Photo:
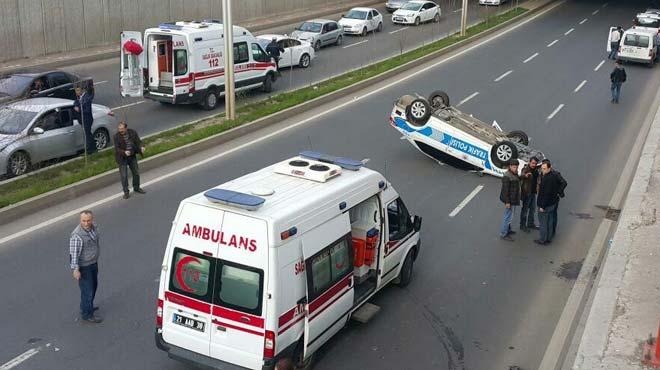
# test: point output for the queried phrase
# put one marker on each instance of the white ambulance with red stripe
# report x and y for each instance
(274, 263)
(183, 63)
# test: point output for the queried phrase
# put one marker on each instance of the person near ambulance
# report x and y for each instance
(275, 50)
(615, 41)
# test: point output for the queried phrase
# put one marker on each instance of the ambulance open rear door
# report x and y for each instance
(131, 78)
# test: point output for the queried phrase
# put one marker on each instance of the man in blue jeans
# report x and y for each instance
(84, 253)
(617, 77)
(528, 181)
(510, 196)
(547, 199)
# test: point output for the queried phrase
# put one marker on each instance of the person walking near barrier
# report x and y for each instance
(547, 199)
(615, 41)
(127, 146)
(83, 108)
(618, 77)
(84, 248)
(528, 181)
(510, 196)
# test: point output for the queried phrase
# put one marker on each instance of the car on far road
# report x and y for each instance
(393, 5)
(296, 52)
(360, 21)
(41, 129)
(649, 20)
(53, 84)
(492, 2)
(416, 12)
(319, 32)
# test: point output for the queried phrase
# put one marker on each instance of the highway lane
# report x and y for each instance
(476, 302)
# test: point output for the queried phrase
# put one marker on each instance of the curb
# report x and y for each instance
(73, 191)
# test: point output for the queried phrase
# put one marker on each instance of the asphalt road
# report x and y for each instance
(475, 302)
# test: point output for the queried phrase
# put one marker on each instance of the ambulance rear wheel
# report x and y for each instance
(210, 101)
(405, 275)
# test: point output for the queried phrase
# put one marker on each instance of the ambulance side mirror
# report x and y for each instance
(417, 223)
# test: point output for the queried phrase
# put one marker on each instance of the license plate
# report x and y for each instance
(188, 322)
(398, 19)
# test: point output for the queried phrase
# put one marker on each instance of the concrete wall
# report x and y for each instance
(39, 27)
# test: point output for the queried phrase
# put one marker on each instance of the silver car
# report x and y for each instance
(319, 32)
(393, 5)
(41, 129)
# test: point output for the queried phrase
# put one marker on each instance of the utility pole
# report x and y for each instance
(464, 17)
(228, 27)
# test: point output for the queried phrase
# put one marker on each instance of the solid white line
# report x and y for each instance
(599, 65)
(584, 20)
(19, 359)
(357, 43)
(465, 201)
(569, 31)
(530, 58)
(128, 105)
(503, 75)
(559, 107)
(313, 118)
(468, 98)
(552, 43)
(100, 82)
(400, 29)
(580, 86)
(595, 12)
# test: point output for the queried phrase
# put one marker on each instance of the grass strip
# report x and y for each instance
(76, 170)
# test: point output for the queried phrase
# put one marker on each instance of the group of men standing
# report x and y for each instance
(535, 188)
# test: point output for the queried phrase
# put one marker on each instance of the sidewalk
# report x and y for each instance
(626, 305)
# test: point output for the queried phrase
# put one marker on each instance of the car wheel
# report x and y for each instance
(519, 137)
(439, 99)
(503, 152)
(268, 84)
(380, 27)
(18, 164)
(210, 101)
(418, 111)
(340, 40)
(364, 32)
(436, 18)
(101, 138)
(304, 60)
(405, 275)
(317, 45)
(417, 21)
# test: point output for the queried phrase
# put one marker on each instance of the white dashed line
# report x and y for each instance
(357, 43)
(569, 31)
(580, 86)
(503, 75)
(400, 29)
(468, 98)
(583, 21)
(604, 5)
(465, 201)
(19, 359)
(554, 112)
(127, 105)
(552, 43)
(595, 12)
(100, 83)
(530, 58)
(599, 65)
(458, 10)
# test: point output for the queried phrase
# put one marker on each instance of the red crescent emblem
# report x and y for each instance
(179, 272)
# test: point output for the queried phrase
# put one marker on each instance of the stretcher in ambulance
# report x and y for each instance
(274, 263)
(183, 63)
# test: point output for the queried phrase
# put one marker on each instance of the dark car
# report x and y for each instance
(53, 84)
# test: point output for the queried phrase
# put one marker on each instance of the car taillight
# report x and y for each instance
(159, 314)
(191, 83)
(269, 344)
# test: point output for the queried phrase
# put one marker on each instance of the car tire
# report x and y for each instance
(380, 27)
(317, 45)
(210, 100)
(436, 18)
(340, 40)
(101, 138)
(267, 86)
(364, 32)
(417, 21)
(503, 152)
(439, 99)
(18, 164)
(305, 61)
(418, 111)
(519, 137)
(406, 272)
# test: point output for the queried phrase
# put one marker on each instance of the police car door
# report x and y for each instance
(328, 257)
(609, 39)
(131, 79)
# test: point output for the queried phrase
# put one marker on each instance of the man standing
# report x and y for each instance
(618, 77)
(548, 197)
(83, 106)
(274, 50)
(510, 196)
(84, 251)
(615, 40)
(127, 146)
(657, 45)
(528, 181)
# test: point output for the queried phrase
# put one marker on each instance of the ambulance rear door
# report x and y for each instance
(609, 39)
(181, 76)
(131, 78)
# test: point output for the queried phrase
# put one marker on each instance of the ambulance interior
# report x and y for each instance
(160, 62)
(366, 232)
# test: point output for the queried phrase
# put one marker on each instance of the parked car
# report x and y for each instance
(41, 129)
(296, 52)
(393, 5)
(360, 21)
(53, 84)
(319, 32)
(416, 12)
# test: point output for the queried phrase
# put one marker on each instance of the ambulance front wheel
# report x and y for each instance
(405, 275)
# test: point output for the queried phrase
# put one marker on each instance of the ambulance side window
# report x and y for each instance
(191, 274)
(241, 52)
(398, 220)
(328, 267)
(180, 62)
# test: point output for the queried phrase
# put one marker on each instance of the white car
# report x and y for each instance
(416, 12)
(492, 2)
(296, 52)
(360, 21)
(448, 135)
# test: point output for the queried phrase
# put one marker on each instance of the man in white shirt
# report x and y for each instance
(615, 39)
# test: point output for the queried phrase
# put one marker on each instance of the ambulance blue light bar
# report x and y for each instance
(345, 163)
(234, 199)
(170, 26)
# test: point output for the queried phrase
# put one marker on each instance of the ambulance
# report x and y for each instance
(183, 63)
(273, 264)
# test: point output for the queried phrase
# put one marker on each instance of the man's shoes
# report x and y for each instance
(616, 102)
(139, 191)
(533, 227)
(511, 232)
(93, 320)
(507, 238)
(540, 242)
(127, 195)
(525, 229)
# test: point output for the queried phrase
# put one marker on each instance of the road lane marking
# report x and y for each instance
(314, 118)
(357, 43)
(128, 105)
(530, 58)
(100, 83)
(503, 75)
(465, 201)
(400, 29)
(584, 20)
(458, 10)
(552, 43)
(595, 12)
(467, 99)
(580, 86)
(554, 112)
(604, 5)
(599, 65)
(569, 31)
(20, 359)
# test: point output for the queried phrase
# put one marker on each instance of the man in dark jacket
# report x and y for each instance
(510, 196)
(528, 181)
(547, 199)
(127, 146)
(83, 108)
(618, 77)
(274, 50)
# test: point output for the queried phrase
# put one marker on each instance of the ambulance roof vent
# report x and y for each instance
(308, 169)
(234, 199)
(345, 163)
(262, 192)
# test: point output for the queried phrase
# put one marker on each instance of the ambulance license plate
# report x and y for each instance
(188, 322)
